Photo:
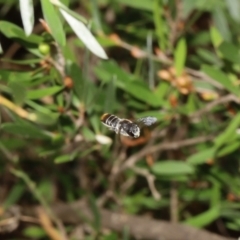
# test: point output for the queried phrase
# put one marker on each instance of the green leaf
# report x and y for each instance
(142, 93)
(12, 31)
(200, 38)
(229, 132)
(180, 56)
(233, 225)
(202, 156)
(14, 76)
(230, 148)
(64, 158)
(110, 236)
(18, 92)
(27, 15)
(209, 57)
(39, 93)
(159, 24)
(47, 118)
(205, 218)
(31, 62)
(161, 92)
(110, 99)
(25, 130)
(46, 189)
(76, 74)
(230, 52)
(220, 77)
(172, 167)
(34, 232)
(215, 36)
(53, 21)
(215, 198)
(14, 195)
(88, 134)
(220, 21)
(129, 83)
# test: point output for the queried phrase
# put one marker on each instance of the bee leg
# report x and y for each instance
(119, 134)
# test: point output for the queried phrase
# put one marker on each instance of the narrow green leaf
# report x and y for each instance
(25, 130)
(161, 92)
(76, 74)
(95, 123)
(228, 133)
(220, 77)
(142, 93)
(15, 76)
(159, 24)
(205, 218)
(31, 62)
(221, 22)
(172, 167)
(96, 15)
(230, 148)
(54, 22)
(27, 15)
(88, 134)
(39, 93)
(14, 195)
(129, 83)
(233, 225)
(110, 100)
(34, 232)
(18, 92)
(63, 158)
(47, 118)
(215, 36)
(209, 57)
(202, 156)
(180, 56)
(215, 198)
(230, 52)
(12, 31)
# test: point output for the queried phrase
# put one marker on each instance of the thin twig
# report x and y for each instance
(150, 179)
(163, 146)
(208, 107)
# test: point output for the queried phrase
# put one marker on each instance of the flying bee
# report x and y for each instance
(126, 127)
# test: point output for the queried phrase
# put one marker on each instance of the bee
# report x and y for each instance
(126, 127)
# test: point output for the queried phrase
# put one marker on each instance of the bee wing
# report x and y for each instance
(146, 121)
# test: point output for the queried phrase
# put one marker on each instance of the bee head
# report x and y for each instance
(134, 130)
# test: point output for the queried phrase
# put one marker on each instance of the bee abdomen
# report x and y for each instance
(110, 120)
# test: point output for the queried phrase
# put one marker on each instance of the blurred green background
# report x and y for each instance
(176, 60)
